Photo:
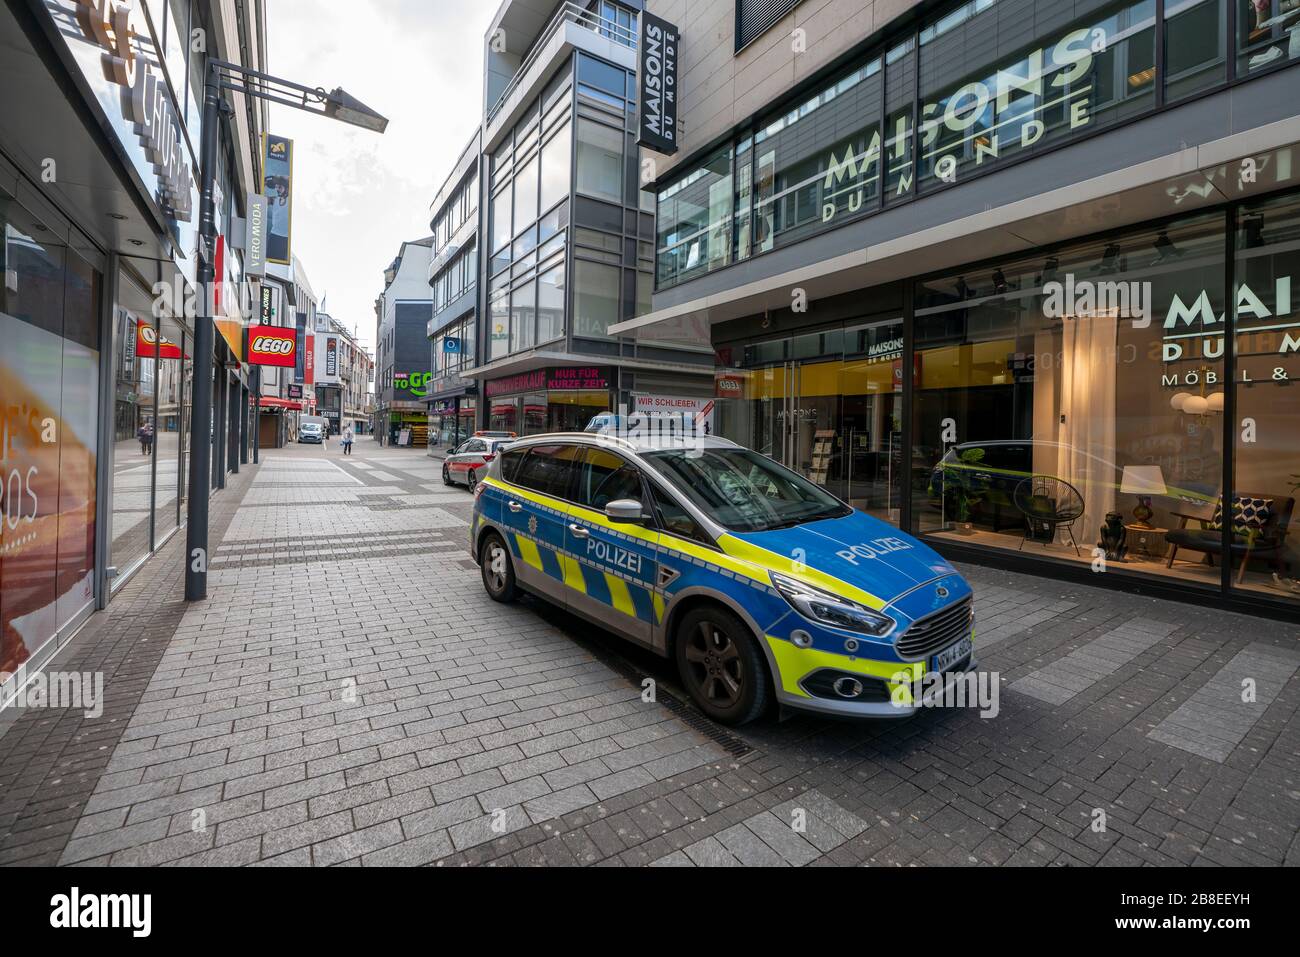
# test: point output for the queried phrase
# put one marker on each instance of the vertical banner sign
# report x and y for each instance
(657, 112)
(255, 240)
(278, 165)
(309, 364)
(268, 307)
(300, 368)
(331, 357)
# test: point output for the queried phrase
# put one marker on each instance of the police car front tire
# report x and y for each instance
(721, 666)
(498, 570)
(446, 475)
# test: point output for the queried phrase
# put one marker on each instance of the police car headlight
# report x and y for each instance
(831, 610)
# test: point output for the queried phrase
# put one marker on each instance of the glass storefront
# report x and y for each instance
(1044, 417)
(1085, 406)
(549, 400)
(974, 86)
(827, 405)
(1266, 457)
(50, 304)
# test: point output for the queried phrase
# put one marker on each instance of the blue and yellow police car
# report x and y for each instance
(760, 585)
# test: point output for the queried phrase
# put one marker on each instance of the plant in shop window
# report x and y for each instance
(962, 489)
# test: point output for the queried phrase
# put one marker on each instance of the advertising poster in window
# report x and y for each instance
(47, 464)
(278, 163)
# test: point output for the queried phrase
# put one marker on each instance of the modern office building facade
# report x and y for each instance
(453, 275)
(1013, 275)
(402, 374)
(567, 236)
(99, 168)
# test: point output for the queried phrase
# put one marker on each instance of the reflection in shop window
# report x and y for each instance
(1268, 34)
(1266, 483)
(1051, 420)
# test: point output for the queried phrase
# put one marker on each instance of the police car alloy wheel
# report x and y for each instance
(473, 479)
(721, 666)
(498, 570)
(446, 475)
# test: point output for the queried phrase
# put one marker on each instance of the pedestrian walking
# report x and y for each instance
(347, 440)
(145, 435)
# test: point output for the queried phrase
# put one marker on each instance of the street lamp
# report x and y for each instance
(222, 75)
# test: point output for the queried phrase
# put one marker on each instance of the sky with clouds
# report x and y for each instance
(358, 195)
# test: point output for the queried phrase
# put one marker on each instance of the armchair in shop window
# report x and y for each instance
(1259, 528)
(1048, 503)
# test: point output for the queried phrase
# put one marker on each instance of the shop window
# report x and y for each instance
(49, 373)
(1266, 482)
(600, 161)
(1070, 399)
(1268, 34)
(596, 299)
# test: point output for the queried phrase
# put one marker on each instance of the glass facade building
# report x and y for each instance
(1109, 402)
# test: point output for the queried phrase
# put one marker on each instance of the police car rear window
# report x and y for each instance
(549, 469)
(510, 462)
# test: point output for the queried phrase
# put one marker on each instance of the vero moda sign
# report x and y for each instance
(657, 119)
(273, 346)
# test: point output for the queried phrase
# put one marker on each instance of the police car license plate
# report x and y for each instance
(950, 656)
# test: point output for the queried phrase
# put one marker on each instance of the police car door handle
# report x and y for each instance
(579, 531)
(515, 507)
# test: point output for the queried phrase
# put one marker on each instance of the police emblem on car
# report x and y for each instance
(763, 587)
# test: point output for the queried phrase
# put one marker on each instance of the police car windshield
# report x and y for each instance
(744, 491)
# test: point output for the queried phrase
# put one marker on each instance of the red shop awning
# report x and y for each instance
(271, 402)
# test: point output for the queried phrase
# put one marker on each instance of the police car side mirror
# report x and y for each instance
(624, 511)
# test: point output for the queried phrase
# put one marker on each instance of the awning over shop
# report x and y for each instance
(271, 402)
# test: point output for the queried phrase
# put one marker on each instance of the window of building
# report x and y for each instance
(1268, 34)
(556, 167)
(600, 161)
(1044, 424)
(549, 469)
(694, 221)
(550, 305)
(595, 299)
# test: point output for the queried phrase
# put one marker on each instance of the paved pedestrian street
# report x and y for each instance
(349, 695)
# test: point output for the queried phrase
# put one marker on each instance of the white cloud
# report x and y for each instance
(358, 195)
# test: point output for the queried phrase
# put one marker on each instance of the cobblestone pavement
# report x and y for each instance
(349, 695)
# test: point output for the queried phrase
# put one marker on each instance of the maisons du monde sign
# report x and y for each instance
(988, 117)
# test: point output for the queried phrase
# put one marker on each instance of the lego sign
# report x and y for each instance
(272, 346)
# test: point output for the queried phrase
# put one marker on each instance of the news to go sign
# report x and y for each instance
(272, 346)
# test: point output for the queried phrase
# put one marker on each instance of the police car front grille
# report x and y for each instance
(938, 631)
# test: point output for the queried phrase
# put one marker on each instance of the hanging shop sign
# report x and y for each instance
(150, 345)
(309, 360)
(657, 114)
(272, 346)
(277, 153)
(331, 357)
(116, 46)
(255, 226)
(295, 391)
(268, 307)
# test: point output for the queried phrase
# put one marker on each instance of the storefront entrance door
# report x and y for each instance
(829, 408)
